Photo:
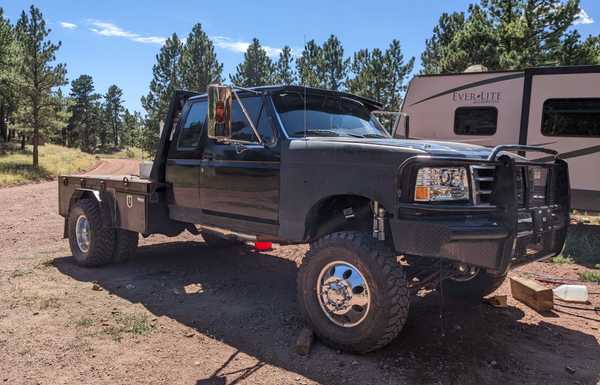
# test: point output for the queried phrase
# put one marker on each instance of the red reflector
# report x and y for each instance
(263, 246)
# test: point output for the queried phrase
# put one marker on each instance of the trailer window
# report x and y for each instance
(571, 117)
(191, 132)
(475, 120)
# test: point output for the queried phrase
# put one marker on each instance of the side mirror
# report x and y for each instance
(219, 111)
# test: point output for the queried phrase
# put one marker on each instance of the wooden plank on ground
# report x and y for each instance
(304, 341)
(532, 294)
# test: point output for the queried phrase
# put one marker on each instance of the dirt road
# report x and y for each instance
(184, 313)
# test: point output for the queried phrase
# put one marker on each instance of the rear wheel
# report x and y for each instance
(353, 292)
(92, 244)
(126, 243)
(474, 288)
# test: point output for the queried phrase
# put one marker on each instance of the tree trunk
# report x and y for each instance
(116, 134)
(22, 142)
(36, 131)
(3, 125)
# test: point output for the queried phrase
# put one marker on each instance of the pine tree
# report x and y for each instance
(575, 51)
(284, 72)
(335, 66)
(58, 121)
(310, 65)
(132, 126)
(166, 78)
(113, 107)
(380, 75)
(199, 65)
(38, 76)
(396, 71)
(8, 60)
(506, 34)
(436, 48)
(460, 41)
(86, 115)
(530, 31)
(257, 68)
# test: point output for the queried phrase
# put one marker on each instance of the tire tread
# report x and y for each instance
(395, 284)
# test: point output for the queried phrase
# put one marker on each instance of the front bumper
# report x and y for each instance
(513, 228)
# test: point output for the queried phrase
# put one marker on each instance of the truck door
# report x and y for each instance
(239, 179)
(184, 162)
(562, 112)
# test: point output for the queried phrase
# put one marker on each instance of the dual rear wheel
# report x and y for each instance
(94, 244)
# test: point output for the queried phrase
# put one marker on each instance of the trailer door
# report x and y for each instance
(561, 111)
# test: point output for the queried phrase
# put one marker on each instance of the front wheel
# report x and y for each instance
(353, 292)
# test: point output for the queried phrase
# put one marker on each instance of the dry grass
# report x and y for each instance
(590, 276)
(16, 165)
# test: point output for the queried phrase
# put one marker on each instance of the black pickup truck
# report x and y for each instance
(384, 217)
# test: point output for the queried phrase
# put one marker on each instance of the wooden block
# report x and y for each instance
(532, 294)
(304, 342)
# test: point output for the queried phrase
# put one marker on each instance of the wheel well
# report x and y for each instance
(339, 213)
(102, 200)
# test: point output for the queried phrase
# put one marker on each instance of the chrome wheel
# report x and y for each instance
(343, 294)
(82, 233)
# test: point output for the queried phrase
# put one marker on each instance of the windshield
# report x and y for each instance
(326, 115)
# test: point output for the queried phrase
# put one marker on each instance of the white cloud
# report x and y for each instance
(107, 29)
(583, 18)
(67, 25)
(241, 46)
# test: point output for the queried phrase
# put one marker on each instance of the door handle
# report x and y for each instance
(240, 148)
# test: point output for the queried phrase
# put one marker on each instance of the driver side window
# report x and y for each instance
(241, 129)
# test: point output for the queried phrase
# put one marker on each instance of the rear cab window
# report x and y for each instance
(193, 127)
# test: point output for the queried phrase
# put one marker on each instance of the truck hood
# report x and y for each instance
(430, 147)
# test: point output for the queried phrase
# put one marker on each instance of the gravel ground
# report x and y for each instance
(184, 313)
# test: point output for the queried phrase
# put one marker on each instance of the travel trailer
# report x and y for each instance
(554, 107)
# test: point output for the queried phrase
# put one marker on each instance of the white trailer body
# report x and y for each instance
(553, 107)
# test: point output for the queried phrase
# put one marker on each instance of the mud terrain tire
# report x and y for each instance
(99, 247)
(126, 243)
(387, 290)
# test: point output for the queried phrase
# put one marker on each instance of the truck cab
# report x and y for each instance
(384, 217)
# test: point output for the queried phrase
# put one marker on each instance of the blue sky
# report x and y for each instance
(116, 41)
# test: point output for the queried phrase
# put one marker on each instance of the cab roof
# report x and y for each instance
(274, 89)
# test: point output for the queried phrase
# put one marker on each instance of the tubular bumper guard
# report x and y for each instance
(522, 222)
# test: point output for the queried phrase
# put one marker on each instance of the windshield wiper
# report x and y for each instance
(363, 136)
(375, 136)
(319, 132)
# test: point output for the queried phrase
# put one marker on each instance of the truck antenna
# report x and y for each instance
(305, 95)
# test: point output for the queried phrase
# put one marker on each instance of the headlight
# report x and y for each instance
(442, 184)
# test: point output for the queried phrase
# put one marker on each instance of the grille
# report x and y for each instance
(538, 180)
(483, 184)
(520, 183)
(531, 184)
